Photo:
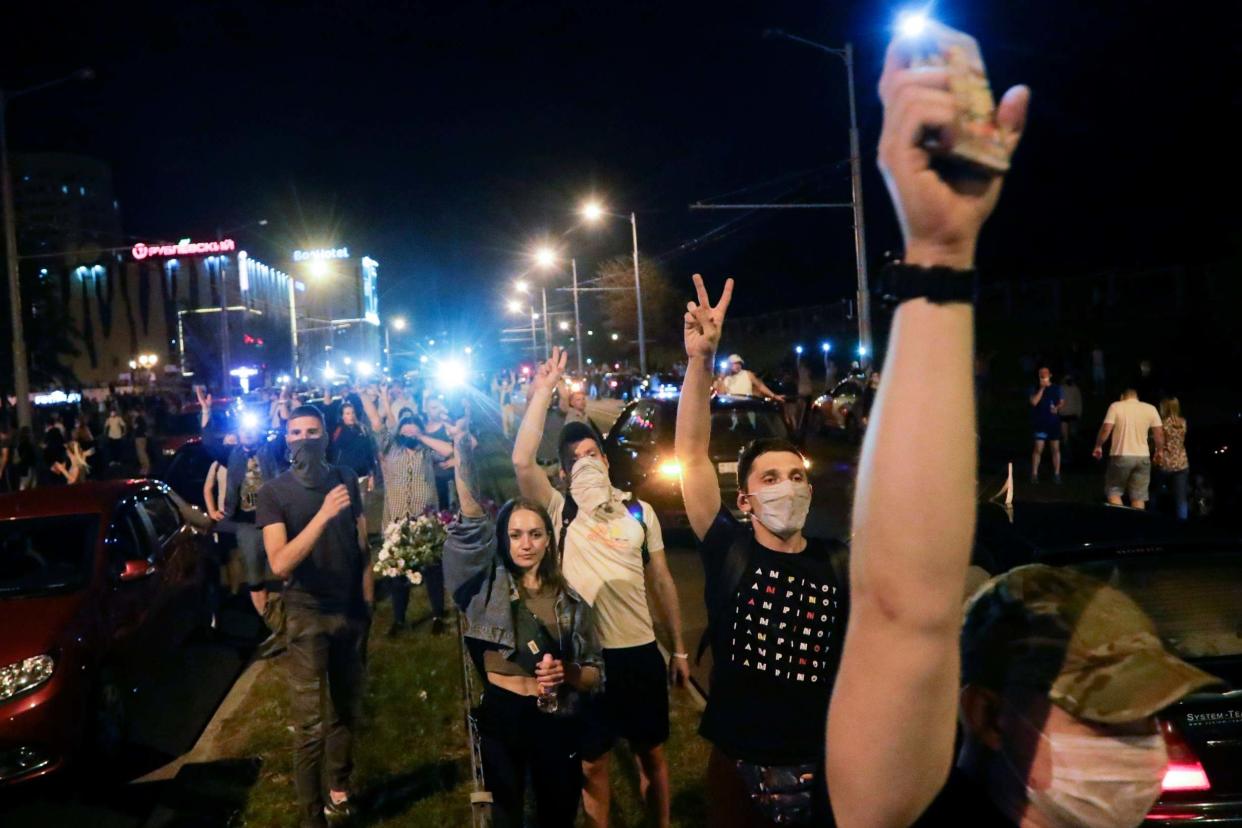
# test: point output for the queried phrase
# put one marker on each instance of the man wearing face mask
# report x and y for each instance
(251, 464)
(612, 554)
(776, 609)
(315, 535)
(1054, 678)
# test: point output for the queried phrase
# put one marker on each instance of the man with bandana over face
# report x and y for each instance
(315, 534)
(612, 554)
(776, 609)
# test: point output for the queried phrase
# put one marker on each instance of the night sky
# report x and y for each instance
(442, 138)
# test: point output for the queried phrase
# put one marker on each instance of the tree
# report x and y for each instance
(660, 307)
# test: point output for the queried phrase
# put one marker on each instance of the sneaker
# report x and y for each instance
(1057, 480)
(271, 647)
(396, 629)
(437, 626)
(339, 811)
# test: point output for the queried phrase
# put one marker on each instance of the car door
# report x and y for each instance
(131, 594)
(179, 599)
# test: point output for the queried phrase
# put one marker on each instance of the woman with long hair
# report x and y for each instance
(532, 639)
(353, 446)
(1172, 465)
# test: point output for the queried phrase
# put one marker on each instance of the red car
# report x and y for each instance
(97, 582)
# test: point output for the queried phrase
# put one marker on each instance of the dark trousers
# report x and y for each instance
(516, 739)
(399, 589)
(323, 648)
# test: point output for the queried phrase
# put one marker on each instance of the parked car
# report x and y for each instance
(1188, 581)
(837, 411)
(639, 447)
(1215, 454)
(98, 582)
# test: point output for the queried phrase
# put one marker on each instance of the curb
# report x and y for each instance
(205, 748)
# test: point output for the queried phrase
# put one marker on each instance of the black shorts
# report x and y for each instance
(634, 704)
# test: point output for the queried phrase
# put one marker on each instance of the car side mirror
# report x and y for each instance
(136, 570)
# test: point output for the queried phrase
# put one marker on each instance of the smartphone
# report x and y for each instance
(977, 140)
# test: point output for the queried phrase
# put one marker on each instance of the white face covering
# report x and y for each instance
(591, 489)
(782, 507)
(1100, 781)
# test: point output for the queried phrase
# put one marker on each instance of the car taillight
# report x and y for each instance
(1184, 772)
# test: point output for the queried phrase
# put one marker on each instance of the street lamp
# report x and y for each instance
(593, 212)
(224, 303)
(397, 323)
(515, 306)
(21, 366)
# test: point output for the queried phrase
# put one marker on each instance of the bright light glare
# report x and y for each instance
(592, 211)
(283, 379)
(329, 373)
(825, 346)
(468, 350)
(318, 267)
(545, 256)
(798, 350)
(363, 369)
(451, 374)
(398, 324)
(862, 350)
(615, 337)
(514, 306)
(249, 421)
(423, 359)
(348, 361)
(1185, 776)
(521, 286)
(564, 326)
(912, 23)
(670, 468)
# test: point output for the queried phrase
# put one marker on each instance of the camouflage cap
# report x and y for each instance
(1089, 645)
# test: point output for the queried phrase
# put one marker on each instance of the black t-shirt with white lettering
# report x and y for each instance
(775, 647)
(329, 579)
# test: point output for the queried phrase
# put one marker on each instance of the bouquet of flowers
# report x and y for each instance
(411, 543)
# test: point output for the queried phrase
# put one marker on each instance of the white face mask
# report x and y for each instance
(782, 507)
(1100, 781)
(589, 484)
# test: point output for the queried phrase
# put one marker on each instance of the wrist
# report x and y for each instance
(926, 253)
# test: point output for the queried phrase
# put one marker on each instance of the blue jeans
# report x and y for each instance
(1175, 484)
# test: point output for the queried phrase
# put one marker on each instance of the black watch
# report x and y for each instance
(940, 285)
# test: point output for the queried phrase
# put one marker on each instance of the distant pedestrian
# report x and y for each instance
(574, 404)
(140, 442)
(1128, 424)
(1172, 464)
(740, 381)
(1046, 403)
(115, 431)
(1097, 369)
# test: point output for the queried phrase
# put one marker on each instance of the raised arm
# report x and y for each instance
(763, 389)
(700, 488)
(464, 477)
(284, 554)
(369, 406)
(894, 705)
(532, 481)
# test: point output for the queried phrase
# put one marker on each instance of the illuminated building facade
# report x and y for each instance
(338, 313)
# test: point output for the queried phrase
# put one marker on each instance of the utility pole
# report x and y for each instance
(224, 320)
(856, 195)
(577, 319)
(21, 376)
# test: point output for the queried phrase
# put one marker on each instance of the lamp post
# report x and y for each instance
(21, 365)
(398, 323)
(593, 212)
(577, 318)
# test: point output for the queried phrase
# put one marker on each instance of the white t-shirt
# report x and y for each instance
(741, 384)
(1131, 420)
(603, 563)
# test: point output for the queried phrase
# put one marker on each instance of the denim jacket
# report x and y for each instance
(483, 589)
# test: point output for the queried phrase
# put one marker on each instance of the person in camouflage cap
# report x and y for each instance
(1051, 685)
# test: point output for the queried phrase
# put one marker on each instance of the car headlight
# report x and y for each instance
(169, 452)
(670, 469)
(25, 675)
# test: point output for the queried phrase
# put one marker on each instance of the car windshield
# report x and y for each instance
(1191, 596)
(734, 428)
(48, 554)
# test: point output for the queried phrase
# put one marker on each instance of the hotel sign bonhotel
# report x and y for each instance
(320, 254)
